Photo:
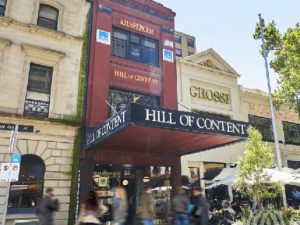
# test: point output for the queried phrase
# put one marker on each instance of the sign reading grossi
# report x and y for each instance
(209, 95)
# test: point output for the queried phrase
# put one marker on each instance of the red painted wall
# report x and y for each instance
(110, 71)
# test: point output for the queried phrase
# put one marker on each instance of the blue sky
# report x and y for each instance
(227, 27)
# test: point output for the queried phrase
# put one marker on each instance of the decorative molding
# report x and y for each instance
(35, 51)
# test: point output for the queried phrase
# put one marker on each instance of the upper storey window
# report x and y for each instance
(135, 47)
(48, 17)
(2, 7)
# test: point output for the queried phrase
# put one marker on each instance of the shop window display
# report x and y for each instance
(133, 179)
(25, 194)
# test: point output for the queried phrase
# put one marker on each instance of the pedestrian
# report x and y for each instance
(120, 206)
(90, 210)
(180, 207)
(147, 207)
(47, 207)
(201, 212)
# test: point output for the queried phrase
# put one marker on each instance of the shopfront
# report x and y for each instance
(135, 135)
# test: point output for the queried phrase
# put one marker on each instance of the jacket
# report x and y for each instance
(147, 207)
(180, 203)
(46, 209)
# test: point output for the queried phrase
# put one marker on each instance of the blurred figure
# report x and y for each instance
(146, 206)
(120, 207)
(47, 207)
(90, 210)
(201, 212)
(180, 207)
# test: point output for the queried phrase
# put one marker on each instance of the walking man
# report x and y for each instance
(180, 205)
(47, 207)
(201, 212)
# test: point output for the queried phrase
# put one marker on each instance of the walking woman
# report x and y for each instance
(120, 207)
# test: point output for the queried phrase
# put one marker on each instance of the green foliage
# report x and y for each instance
(252, 180)
(286, 61)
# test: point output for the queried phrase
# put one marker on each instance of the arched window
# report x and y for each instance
(48, 17)
(25, 194)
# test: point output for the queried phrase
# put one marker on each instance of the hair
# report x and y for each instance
(121, 193)
(91, 202)
(49, 190)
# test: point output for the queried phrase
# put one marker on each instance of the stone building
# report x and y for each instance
(40, 53)
(208, 84)
(185, 44)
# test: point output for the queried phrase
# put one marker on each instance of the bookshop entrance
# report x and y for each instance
(134, 179)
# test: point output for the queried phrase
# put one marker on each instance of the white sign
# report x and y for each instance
(103, 37)
(169, 43)
(168, 55)
(9, 171)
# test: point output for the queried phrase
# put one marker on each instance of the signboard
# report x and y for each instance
(168, 55)
(15, 158)
(9, 171)
(103, 37)
(21, 128)
(166, 119)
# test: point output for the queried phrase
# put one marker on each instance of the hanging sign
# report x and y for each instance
(5, 171)
(168, 55)
(103, 37)
(9, 171)
(15, 158)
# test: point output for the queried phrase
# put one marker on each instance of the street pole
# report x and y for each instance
(12, 147)
(277, 150)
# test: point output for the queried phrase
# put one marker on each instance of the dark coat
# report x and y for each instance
(46, 209)
(201, 204)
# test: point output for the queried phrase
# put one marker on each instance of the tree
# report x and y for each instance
(252, 180)
(286, 62)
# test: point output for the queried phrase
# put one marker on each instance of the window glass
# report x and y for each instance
(264, 126)
(135, 47)
(39, 79)
(178, 39)
(48, 16)
(119, 99)
(27, 192)
(291, 132)
(293, 164)
(178, 52)
(2, 7)
(191, 42)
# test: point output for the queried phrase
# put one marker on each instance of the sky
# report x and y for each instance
(227, 26)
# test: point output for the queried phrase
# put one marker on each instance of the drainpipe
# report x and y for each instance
(84, 105)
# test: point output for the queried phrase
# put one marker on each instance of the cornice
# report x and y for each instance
(32, 28)
(33, 50)
(182, 61)
(4, 43)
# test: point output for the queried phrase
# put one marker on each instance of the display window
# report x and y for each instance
(106, 178)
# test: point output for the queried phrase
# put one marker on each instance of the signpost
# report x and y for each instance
(10, 171)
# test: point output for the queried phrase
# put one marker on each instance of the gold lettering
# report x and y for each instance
(136, 26)
(210, 95)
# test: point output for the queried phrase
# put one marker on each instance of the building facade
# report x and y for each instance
(185, 44)
(207, 84)
(40, 52)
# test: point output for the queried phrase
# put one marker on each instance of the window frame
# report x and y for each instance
(128, 96)
(177, 53)
(41, 18)
(178, 39)
(135, 41)
(191, 42)
(267, 128)
(3, 7)
(287, 133)
(39, 162)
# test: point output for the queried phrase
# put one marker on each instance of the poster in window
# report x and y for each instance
(103, 37)
(168, 55)
(103, 181)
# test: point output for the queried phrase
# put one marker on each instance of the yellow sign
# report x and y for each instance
(136, 26)
(209, 95)
(135, 77)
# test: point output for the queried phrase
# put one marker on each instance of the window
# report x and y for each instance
(135, 47)
(119, 99)
(264, 125)
(191, 42)
(2, 7)
(178, 52)
(178, 39)
(25, 194)
(293, 164)
(38, 90)
(48, 17)
(291, 132)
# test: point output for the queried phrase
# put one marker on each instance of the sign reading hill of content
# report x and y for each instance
(167, 119)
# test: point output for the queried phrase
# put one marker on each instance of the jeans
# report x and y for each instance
(182, 219)
(148, 222)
